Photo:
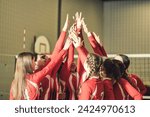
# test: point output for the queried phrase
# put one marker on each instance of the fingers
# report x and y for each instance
(72, 28)
(74, 43)
(69, 41)
(74, 36)
(67, 44)
(94, 34)
(84, 25)
(82, 20)
(76, 15)
(66, 23)
(80, 15)
(67, 17)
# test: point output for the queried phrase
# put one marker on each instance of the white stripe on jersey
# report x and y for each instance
(72, 88)
(122, 92)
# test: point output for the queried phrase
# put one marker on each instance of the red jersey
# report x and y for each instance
(98, 49)
(59, 44)
(82, 52)
(91, 89)
(108, 89)
(80, 68)
(73, 82)
(58, 47)
(123, 88)
(46, 88)
(138, 82)
(33, 80)
(48, 84)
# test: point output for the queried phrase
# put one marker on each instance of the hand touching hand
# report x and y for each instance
(67, 43)
(76, 40)
(72, 28)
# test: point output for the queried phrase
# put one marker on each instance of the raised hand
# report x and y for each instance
(76, 40)
(67, 43)
(78, 19)
(72, 28)
(85, 27)
(66, 23)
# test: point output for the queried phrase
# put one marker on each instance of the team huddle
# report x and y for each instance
(57, 76)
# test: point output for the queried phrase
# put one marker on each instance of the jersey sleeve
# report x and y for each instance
(56, 68)
(59, 44)
(140, 85)
(38, 76)
(70, 56)
(82, 52)
(65, 71)
(98, 49)
(130, 89)
(108, 90)
(80, 68)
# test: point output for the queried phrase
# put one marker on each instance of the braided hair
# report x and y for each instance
(94, 62)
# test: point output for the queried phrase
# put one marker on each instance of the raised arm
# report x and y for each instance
(38, 76)
(98, 43)
(60, 42)
(78, 21)
(65, 71)
(78, 44)
(94, 41)
(70, 56)
(130, 89)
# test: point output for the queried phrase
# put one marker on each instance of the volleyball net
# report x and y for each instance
(139, 64)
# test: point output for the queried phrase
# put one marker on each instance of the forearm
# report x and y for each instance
(60, 43)
(131, 90)
(38, 76)
(82, 52)
(70, 59)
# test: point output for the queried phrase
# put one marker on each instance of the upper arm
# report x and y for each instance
(60, 43)
(131, 90)
(141, 86)
(85, 92)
